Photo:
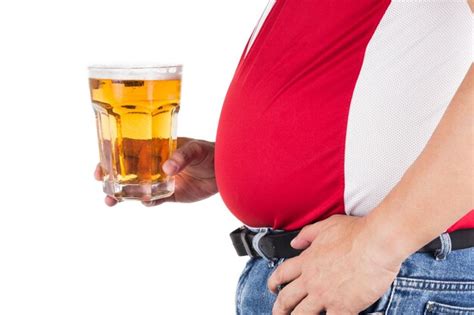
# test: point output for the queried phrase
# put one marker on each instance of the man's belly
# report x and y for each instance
(327, 111)
(275, 176)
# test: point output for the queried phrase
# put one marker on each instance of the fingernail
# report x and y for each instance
(293, 242)
(170, 167)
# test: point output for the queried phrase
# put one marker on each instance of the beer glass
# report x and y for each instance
(136, 111)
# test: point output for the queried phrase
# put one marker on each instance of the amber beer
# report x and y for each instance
(136, 114)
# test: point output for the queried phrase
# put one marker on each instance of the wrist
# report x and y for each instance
(388, 238)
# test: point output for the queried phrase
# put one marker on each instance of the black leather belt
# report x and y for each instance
(277, 245)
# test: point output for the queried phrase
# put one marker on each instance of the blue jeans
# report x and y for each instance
(425, 285)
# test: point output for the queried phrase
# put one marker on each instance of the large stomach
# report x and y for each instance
(281, 135)
(282, 165)
(332, 130)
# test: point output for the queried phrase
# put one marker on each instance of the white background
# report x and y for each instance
(62, 251)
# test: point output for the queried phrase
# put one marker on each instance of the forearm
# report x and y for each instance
(437, 190)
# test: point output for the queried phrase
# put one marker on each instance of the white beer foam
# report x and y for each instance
(136, 72)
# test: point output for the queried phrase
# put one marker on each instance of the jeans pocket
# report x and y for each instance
(431, 296)
(435, 308)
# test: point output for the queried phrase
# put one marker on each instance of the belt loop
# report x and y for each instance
(446, 245)
(243, 238)
(256, 245)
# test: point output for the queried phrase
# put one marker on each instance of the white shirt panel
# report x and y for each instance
(414, 63)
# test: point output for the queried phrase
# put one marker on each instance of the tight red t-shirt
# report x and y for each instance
(332, 103)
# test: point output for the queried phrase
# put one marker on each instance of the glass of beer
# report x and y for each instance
(136, 111)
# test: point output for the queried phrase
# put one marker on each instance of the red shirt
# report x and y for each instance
(310, 126)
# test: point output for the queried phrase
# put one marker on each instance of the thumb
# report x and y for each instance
(190, 153)
(306, 236)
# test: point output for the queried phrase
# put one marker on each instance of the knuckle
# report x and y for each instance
(194, 145)
(196, 151)
(181, 156)
(186, 153)
(278, 276)
(271, 284)
(305, 229)
(310, 285)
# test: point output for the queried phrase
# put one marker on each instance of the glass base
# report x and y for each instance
(142, 192)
